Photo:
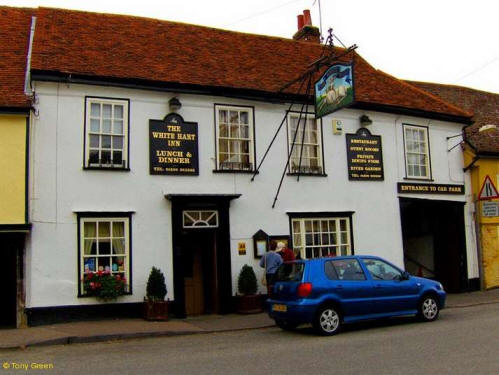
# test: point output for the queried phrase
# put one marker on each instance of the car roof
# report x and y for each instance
(343, 257)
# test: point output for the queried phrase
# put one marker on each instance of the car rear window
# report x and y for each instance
(290, 272)
(344, 269)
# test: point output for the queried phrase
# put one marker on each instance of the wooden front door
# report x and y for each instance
(193, 284)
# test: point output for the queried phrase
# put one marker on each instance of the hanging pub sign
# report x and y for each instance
(409, 188)
(364, 156)
(173, 146)
(334, 90)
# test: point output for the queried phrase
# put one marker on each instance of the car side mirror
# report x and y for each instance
(405, 276)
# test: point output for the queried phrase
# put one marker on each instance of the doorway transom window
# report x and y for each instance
(200, 219)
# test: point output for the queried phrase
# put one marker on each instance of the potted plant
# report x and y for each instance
(104, 285)
(155, 306)
(248, 302)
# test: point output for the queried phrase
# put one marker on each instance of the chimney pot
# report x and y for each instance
(307, 20)
(300, 21)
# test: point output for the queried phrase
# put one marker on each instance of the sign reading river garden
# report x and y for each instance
(334, 90)
(364, 156)
(173, 146)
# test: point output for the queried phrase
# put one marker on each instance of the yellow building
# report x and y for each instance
(484, 171)
(15, 109)
(481, 159)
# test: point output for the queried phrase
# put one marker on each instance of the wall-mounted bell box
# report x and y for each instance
(337, 127)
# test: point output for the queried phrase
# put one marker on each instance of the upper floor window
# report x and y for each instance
(106, 133)
(417, 152)
(307, 151)
(234, 134)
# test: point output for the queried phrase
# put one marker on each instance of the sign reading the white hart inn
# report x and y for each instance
(173, 146)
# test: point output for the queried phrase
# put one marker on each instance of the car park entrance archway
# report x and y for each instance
(434, 241)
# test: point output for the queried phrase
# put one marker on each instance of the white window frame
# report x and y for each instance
(295, 160)
(425, 152)
(89, 132)
(335, 241)
(126, 254)
(249, 139)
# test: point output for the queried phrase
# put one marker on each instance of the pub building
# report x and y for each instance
(165, 147)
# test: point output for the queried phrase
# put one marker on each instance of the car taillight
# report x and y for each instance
(304, 290)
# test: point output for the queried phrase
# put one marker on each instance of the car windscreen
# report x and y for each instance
(290, 272)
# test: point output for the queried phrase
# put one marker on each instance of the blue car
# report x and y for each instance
(328, 292)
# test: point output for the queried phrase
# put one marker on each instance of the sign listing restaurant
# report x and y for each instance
(364, 156)
(173, 146)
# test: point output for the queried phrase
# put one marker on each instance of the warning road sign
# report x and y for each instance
(488, 190)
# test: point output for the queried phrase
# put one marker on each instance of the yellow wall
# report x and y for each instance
(12, 169)
(489, 226)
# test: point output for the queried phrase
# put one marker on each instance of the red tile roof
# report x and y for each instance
(484, 105)
(134, 49)
(15, 24)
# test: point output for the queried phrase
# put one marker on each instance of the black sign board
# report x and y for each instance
(408, 188)
(173, 146)
(364, 156)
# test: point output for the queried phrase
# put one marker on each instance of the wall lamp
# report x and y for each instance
(174, 104)
(365, 120)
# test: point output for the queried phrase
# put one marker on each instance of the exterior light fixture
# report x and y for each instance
(174, 104)
(365, 120)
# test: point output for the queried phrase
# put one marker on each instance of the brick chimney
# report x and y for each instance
(306, 31)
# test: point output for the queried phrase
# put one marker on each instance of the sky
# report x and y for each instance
(442, 41)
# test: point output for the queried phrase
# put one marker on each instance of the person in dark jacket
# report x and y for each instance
(286, 254)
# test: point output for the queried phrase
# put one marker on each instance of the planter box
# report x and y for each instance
(157, 310)
(251, 304)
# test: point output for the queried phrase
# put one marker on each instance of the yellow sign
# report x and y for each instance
(242, 248)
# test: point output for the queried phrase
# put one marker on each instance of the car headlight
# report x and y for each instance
(440, 286)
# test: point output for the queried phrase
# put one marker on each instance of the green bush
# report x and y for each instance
(246, 283)
(156, 286)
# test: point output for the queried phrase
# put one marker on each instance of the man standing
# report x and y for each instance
(271, 262)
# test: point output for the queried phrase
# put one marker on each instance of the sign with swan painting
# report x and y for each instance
(334, 90)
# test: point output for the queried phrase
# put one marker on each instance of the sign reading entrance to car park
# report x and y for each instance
(364, 156)
(488, 190)
(408, 188)
(334, 90)
(173, 146)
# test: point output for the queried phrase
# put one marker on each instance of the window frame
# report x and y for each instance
(251, 133)
(82, 218)
(320, 143)
(125, 166)
(337, 216)
(426, 131)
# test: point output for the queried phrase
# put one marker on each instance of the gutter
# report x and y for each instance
(27, 76)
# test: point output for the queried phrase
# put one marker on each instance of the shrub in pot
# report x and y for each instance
(248, 302)
(155, 306)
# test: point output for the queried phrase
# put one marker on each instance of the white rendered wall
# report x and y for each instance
(60, 187)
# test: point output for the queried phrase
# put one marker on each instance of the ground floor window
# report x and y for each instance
(104, 247)
(316, 237)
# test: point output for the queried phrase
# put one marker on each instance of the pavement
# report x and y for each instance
(119, 329)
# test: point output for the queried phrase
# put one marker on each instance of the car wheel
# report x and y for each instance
(285, 325)
(327, 321)
(428, 309)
